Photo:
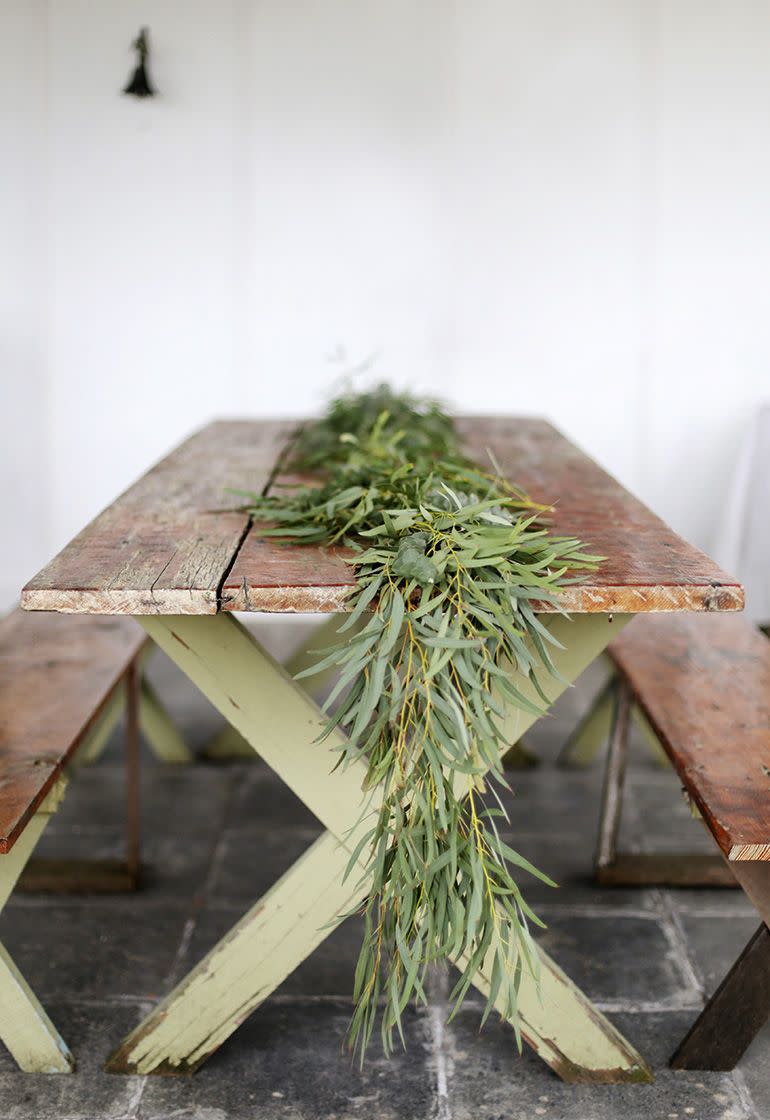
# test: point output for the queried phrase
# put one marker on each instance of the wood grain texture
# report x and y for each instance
(165, 544)
(162, 548)
(704, 684)
(648, 567)
(56, 675)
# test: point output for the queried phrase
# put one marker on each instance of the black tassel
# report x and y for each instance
(140, 85)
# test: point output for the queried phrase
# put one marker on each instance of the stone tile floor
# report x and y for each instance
(217, 835)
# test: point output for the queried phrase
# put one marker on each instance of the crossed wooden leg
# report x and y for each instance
(740, 1006)
(593, 731)
(624, 868)
(282, 724)
(157, 726)
(25, 1028)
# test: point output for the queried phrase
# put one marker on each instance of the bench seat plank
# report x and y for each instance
(704, 685)
(162, 547)
(56, 675)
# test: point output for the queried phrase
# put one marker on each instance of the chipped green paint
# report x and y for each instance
(25, 1028)
(229, 743)
(272, 712)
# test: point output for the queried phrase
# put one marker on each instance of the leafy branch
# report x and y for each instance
(450, 563)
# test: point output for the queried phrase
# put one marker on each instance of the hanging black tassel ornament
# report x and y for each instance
(139, 85)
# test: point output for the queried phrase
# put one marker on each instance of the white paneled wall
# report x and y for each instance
(546, 207)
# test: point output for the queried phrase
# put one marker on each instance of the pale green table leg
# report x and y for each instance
(26, 1030)
(592, 734)
(272, 712)
(159, 729)
(229, 743)
(100, 733)
(157, 726)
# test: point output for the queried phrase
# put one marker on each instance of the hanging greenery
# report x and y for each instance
(448, 561)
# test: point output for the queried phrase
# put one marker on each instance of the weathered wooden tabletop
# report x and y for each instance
(174, 543)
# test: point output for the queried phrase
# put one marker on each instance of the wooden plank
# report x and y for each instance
(164, 546)
(46, 875)
(169, 546)
(57, 676)
(704, 685)
(666, 869)
(736, 1012)
(648, 567)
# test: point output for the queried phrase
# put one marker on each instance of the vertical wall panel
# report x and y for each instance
(24, 400)
(142, 240)
(712, 282)
(542, 207)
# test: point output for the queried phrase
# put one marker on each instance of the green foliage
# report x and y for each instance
(450, 562)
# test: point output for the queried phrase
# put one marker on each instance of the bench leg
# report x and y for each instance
(741, 1004)
(594, 729)
(157, 726)
(614, 777)
(272, 712)
(590, 735)
(643, 869)
(26, 1030)
(105, 876)
(738, 1009)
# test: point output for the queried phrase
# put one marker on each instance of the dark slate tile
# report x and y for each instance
(328, 971)
(171, 868)
(620, 957)
(262, 801)
(176, 800)
(709, 902)
(248, 863)
(660, 818)
(90, 1031)
(715, 942)
(287, 1062)
(623, 957)
(568, 859)
(94, 947)
(487, 1080)
(544, 795)
(755, 1068)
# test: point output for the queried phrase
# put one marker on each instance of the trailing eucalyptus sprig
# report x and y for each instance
(449, 559)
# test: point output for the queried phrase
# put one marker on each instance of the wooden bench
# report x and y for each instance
(702, 684)
(63, 683)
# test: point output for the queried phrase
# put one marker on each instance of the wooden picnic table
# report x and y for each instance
(175, 552)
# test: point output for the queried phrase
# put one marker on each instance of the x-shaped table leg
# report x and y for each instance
(25, 1028)
(282, 724)
(740, 1006)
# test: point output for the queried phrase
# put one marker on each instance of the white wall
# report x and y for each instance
(529, 206)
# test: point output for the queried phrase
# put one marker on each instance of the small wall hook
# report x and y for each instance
(139, 84)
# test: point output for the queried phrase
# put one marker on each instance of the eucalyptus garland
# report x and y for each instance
(449, 558)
